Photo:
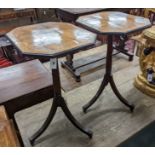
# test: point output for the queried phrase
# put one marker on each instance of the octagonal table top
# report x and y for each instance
(53, 39)
(112, 22)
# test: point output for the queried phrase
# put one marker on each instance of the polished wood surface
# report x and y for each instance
(113, 23)
(22, 79)
(50, 39)
(8, 137)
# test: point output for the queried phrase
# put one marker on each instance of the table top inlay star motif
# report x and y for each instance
(113, 22)
(50, 38)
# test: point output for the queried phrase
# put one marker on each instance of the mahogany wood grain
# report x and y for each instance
(24, 85)
(22, 79)
(110, 22)
(50, 39)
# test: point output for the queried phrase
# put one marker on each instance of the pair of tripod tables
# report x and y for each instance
(56, 39)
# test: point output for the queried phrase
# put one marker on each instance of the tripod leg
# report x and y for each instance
(120, 97)
(73, 120)
(46, 123)
(100, 90)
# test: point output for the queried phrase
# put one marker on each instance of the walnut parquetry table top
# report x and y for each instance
(112, 22)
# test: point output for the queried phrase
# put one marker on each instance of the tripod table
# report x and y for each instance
(112, 24)
(53, 40)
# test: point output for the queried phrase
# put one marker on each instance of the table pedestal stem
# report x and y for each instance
(58, 101)
(108, 78)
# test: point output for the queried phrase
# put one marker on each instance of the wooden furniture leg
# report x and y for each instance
(108, 78)
(58, 101)
(68, 64)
